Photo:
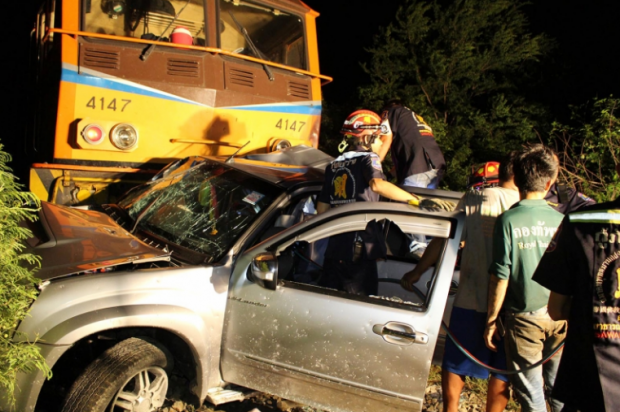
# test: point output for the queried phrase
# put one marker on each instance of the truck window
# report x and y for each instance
(302, 263)
(277, 35)
(145, 19)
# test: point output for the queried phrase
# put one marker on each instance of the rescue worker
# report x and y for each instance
(581, 268)
(565, 199)
(417, 158)
(357, 176)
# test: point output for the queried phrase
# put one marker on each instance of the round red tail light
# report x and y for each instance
(93, 134)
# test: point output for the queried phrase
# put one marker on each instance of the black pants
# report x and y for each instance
(359, 278)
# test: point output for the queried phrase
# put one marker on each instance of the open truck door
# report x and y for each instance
(287, 336)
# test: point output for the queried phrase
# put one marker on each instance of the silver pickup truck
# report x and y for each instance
(212, 272)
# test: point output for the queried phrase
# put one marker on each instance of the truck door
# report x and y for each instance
(286, 335)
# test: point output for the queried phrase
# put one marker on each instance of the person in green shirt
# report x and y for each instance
(521, 236)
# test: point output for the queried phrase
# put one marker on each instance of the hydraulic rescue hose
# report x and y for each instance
(458, 344)
(472, 357)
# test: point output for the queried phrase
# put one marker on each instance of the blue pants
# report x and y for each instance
(429, 180)
(467, 326)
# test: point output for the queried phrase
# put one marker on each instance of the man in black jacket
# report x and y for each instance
(581, 268)
(416, 155)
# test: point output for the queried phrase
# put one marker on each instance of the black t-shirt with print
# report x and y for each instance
(583, 261)
(414, 149)
(347, 180)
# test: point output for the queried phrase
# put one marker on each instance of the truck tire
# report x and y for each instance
(129, 376)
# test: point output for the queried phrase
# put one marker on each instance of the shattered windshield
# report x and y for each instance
(205, 209)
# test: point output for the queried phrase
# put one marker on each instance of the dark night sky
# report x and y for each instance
(583, 66)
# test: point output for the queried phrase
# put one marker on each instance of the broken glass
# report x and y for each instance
(205, 209)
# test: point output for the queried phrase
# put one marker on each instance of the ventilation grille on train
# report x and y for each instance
(102, 58)
(241, 77)
(301, 90)
(183, 68)
(158, 22)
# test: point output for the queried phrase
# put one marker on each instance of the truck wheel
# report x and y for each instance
(127, 377)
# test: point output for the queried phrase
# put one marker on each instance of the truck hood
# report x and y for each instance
(70, 241)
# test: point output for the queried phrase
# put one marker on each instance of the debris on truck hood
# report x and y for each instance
(73, 241)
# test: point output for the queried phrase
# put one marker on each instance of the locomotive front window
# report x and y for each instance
(262, 31)
(147, 19)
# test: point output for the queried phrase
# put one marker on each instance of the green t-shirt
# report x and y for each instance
(520, 238)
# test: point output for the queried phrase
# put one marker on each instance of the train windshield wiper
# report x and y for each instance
(257, 53)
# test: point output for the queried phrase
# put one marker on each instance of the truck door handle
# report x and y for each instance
(400, 334)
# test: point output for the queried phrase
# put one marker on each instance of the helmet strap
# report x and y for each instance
(370, 139)
(343, 145)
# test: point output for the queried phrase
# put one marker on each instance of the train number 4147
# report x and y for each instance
(103, 104)
(295, 125)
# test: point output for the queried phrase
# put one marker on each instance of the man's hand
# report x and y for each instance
(491, 332)
(409, 279)
(437, 205)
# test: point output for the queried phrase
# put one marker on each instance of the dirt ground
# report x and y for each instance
(473, 399)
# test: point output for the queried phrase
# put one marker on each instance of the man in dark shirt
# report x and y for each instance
(565, 199)
(356, 176)
(416, 155)
(581, 267)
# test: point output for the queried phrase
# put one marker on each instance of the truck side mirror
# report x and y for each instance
(264, 270)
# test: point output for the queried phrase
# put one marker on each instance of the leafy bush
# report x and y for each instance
(465, 67)
(589, 148)
(17, 282)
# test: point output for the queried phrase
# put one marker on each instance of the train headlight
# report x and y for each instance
(280, 145)
(124, 136)
(93, 134)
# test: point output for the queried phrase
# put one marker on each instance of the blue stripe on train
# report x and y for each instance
(291, 109)
(73, 77)
(86, 80)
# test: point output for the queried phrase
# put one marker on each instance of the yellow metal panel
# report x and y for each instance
(313, 47)
(183, 121)
(37, 187)
(66, 99)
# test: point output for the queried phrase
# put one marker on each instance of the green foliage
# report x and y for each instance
(17, 283)
(464, 67)
(589, 148)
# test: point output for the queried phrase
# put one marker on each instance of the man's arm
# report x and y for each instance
(429, 258)
(386, 140)
(390, 191)
(559, 306)
(497, 294)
